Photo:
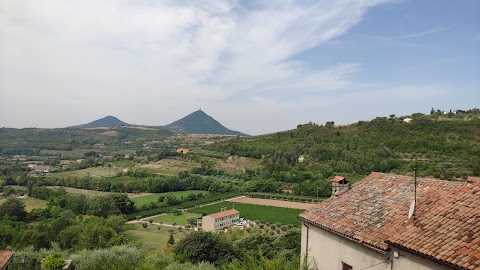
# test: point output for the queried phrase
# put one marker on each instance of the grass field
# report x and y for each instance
(31, 203)
(142, 200)
(92, 172)
(262, 213)
(180, 219)
(151, 236)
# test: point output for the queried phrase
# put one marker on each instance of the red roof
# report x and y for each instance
(224, 213)
(5, 257)
(338, 179)
(471, 179)
(446, 226)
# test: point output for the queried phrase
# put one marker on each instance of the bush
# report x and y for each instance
(54, 261)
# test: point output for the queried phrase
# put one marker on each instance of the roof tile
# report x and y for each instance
(446, 225)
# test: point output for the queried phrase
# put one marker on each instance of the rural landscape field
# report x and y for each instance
(112, 196)
(239, 135)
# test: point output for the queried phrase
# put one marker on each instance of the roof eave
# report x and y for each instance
(377, 249)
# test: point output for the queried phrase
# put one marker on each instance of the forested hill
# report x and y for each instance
(199, 122)
(446, 145)
(108, 121)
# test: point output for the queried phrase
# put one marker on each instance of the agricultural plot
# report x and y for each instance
(142, 200)
(271, 214)
(169, 166)
(80, 191)
(151, 235)
(277, 203)
(91, 172)
(178, 219)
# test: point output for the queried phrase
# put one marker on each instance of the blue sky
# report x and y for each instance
(256, 66)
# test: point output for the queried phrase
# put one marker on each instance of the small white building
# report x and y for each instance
(407, 120)
(368, 226)
(221, 220)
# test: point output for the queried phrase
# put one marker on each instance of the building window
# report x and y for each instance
(346, 266)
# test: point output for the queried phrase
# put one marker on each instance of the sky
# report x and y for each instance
(255, 66)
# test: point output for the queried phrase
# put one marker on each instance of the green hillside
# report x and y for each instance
(31, 141)
(446, 145)
(200, 123)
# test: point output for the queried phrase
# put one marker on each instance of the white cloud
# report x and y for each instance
(67, 62)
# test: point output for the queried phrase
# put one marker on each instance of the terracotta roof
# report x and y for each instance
(471, 179)
(446, 226)
(5, 257)
(338, 179)
(224, 213)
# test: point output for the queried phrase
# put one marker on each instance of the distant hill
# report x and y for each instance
(200, 123)
(108, 121)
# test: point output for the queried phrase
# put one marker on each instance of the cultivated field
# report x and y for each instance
(277, 203)
(151, 236)
(142, 200)
(262, 213)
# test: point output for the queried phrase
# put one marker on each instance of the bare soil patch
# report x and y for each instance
(278, 203)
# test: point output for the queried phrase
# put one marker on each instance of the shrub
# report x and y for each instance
(53, 261)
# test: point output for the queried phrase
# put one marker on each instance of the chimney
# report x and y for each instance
(339, 185)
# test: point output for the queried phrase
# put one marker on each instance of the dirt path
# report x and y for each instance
(269, 202)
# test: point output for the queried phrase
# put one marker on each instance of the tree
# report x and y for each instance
(204, 246)
(171, 240)
(191, 220)
(144, 225)
(13, 209)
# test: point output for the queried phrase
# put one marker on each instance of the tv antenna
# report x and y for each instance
(411, 212)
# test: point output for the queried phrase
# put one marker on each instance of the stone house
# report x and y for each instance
(368, 226)
(221, 220)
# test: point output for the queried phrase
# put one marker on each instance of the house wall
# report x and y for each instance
(208, 223)
(211, 224)
(406, 261)
(327, 251)
(226, 221)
